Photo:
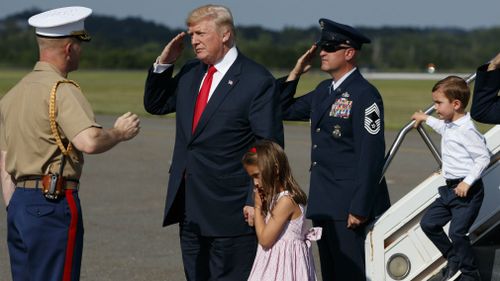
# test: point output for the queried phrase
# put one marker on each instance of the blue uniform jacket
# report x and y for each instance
(485, 100)
(243, 108)
(348, 146)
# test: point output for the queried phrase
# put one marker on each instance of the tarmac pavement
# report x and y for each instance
(123, 194)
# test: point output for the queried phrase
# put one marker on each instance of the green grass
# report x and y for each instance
(109, 92)
(116, 92)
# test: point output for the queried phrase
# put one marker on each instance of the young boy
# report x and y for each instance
(465, 156)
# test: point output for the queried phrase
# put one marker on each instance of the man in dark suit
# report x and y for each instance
(208, 187)
(485, 101)
(347, 133)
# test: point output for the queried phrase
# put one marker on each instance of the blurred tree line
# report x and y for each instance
(133, 43)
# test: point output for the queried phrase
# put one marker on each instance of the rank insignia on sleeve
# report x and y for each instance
(372, 119)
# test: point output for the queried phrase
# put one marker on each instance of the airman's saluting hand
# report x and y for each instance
(303, 64)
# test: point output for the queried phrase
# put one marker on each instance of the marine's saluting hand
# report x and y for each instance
(128, 125)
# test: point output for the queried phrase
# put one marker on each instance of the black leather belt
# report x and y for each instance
(454, 182)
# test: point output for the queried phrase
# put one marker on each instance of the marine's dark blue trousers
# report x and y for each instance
(45, 237)
(461, 211)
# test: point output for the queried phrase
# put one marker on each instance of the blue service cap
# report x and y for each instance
(62, 22)
(337, 33)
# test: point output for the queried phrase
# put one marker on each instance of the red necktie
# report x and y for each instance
(202, 99)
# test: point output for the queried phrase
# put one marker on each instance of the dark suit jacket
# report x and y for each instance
(207, 165)
(485, 100)
(348, 147)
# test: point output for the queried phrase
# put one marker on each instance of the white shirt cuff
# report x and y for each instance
(160, 67)
(469, 180)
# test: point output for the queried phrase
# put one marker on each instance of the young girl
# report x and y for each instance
(284, 251)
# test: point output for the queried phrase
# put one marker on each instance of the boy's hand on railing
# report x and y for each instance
(419, 117)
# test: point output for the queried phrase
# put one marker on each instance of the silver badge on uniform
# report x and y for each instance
(337, 133)
(345, 95)
(372, 119)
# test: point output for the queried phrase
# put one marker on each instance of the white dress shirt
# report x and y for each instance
(222, 67)
(336, 84)
(463, 148)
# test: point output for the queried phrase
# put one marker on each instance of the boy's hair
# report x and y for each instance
(454, 88)
(275, 172)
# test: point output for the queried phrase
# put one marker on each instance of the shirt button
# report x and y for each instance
(315, 163)
(318, 130)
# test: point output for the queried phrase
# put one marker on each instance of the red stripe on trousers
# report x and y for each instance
(68, 263)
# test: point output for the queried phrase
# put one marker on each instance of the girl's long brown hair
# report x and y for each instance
(275, 171)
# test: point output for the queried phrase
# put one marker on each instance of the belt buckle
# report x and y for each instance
(454, 182)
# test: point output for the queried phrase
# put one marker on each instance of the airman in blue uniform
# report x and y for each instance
(347, 155)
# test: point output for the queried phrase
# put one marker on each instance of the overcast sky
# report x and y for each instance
(276, 14)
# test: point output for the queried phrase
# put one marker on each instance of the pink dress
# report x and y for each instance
(290, 258)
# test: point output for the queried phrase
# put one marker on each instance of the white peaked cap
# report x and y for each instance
(62, 22)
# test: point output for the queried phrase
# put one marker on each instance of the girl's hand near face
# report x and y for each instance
(258, 197)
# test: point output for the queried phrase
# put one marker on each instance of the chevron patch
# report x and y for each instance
(372, 119)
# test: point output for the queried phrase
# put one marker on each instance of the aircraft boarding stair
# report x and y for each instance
(396, 247)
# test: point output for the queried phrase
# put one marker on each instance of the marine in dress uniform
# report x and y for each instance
(485, 101)
(347, 133)
(41, 152)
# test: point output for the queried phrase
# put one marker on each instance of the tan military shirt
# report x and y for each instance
(25, 129)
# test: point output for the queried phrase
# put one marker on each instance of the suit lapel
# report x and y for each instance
(220, 93)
